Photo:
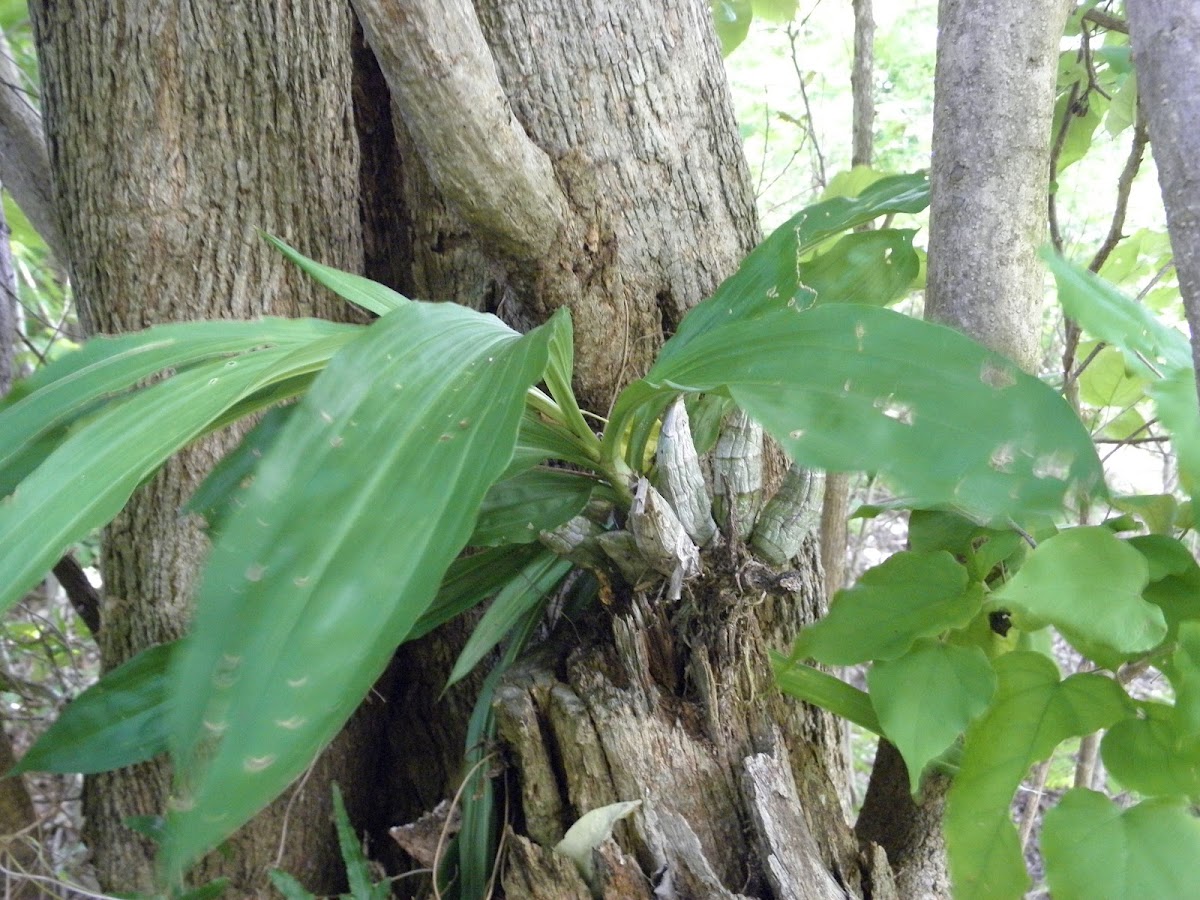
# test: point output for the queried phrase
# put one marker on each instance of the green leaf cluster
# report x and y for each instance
(340, 523)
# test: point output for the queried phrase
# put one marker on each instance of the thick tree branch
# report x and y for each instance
(446, 90)
(24, 161)
(1166, 48)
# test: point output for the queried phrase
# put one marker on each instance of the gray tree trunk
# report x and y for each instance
(1166, 49)
(175, 131)
(993, 105)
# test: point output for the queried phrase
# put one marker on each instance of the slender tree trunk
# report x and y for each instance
(1166, 48)
(989, 183)
(991, 171)
(670, 703)
(836, 508)
(176, 131)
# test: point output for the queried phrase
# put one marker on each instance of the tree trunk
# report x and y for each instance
(993, 105)
(670, 703)
(988, 188)
(1166, 44)
(176, 131)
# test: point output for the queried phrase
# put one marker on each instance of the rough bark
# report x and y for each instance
(655, 212)
(1166, 51)
(993, 102)
(668, 702)
(19, 854)
(175, 132)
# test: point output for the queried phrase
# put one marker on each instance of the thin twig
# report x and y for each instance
(1033, 801)
(1133, 164)
(445, 832)
(792, 34)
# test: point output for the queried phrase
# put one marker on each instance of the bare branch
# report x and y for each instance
(1102, 19)
(1133, 164)
(446, 91)
(24, 160)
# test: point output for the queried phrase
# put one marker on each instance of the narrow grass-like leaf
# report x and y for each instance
(517, 509)
(362, 292)
(804, 682)
(471, 580)
(287, 885)
(527, 591)
(355, 514)
(1093, 848)
(1032, 713)
(358, 870)
(476, 843)
(118, 721)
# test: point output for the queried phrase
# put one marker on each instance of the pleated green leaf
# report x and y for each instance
(872, 267)
(120, 720)
(35, 416)
(769, 278)
(86, 480)
(354, 516)
(214, 499)
(1151, 350)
